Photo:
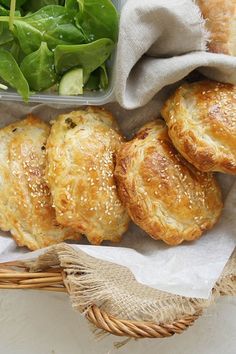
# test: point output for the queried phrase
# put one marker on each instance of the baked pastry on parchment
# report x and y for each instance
(165, 195)
(81, 157)
(220, 16)
(25, 201)
(201, 119)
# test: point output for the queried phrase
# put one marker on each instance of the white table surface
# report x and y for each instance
(33, 322)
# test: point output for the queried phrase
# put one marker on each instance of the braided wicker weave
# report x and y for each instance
(15, 275)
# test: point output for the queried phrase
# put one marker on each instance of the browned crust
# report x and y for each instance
(164, 195)
(27, 210)
(201, 120)
(220, 18)
(81, 150)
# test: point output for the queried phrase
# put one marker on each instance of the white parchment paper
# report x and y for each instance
(190, 269)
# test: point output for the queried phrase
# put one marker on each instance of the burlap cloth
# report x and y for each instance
(114, 289)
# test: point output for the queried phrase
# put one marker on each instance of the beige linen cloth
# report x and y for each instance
(161, 41)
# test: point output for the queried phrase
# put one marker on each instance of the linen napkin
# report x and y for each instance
(160, 42)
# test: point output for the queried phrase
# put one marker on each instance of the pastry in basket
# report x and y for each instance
(201, 119)
(165, 195)
(25, 200)
(81, 151)
(220, 18)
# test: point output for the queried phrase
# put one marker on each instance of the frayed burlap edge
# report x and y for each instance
(114, 289)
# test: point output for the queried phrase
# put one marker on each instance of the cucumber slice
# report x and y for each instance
(72, 83)
(3, 87)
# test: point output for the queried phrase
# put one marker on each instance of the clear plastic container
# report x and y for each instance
(88, 98)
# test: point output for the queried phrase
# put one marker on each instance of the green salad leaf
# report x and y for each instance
(93, 82)
(51, 24)
(3, 11)
(29, 37)
(5, 34)
(48, 17)
(15, 50)
(98, 79)
(12, 75)
(42, 40)
(103, 82)
(98, 19)
(38, 68)
(7, 3)
(88, 56)
(74, 6)
(35, 5)
(63, 34)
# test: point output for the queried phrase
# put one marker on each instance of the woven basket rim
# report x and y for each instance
(16, 275)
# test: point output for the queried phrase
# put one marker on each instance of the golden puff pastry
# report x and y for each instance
(201, 119)
(81, 156)
(165, 195)
(25, 201)
(220, 18)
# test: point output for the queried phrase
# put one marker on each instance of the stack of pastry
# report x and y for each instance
(58, 183)
(79, 176)
(165, 174)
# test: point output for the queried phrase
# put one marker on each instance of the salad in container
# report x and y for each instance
(58, 50)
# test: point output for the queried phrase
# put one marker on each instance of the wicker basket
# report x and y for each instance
(16, 275)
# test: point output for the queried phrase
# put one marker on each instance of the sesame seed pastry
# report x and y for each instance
(201, 120)
(81, 156)
(25, 200)
(165, 195)
(220, 18)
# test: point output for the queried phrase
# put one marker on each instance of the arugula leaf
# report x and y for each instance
(38, 68)
(88, 56)
(11, 73)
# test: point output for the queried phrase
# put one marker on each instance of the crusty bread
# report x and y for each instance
(81, 151)
(220, 18)
(25, 201)
(165, 195)
(201, 119)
